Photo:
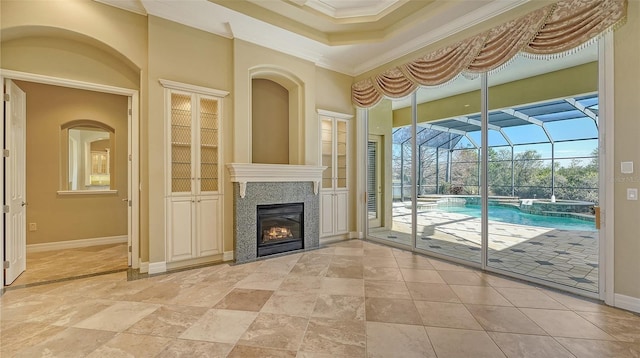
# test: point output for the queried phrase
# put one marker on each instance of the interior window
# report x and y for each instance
(87, 156)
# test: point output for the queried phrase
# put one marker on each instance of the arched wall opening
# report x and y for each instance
(62, 53)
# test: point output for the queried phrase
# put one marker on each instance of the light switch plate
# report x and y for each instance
(626, 167)
(632, 194)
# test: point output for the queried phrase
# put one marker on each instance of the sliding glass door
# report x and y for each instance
(530, 195)
(448, 170)
(543, 173)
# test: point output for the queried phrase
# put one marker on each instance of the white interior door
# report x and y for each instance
(15, 178)
(130, 186)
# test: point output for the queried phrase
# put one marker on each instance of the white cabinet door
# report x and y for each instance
(208, 221)
(334, 139)
(180, 245)
(193, 156)
(341, 212)
(327, 214)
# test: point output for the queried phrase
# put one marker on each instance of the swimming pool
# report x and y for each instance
(515, 216)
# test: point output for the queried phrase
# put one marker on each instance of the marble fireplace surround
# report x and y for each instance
(265, 184)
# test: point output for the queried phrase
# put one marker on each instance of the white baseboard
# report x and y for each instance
(356, 235)
(72, 244)
(627, 302)
(157, 267)
(144, 267)
(227, 256)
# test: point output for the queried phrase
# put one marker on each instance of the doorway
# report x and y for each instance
(124, 246)
(374, 182)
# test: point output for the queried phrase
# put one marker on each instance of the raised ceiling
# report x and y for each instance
(348, 36)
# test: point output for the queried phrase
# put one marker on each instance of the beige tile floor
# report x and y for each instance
(62, 264)
(348, 299)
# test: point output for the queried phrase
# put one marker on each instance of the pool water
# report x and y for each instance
(515, 216)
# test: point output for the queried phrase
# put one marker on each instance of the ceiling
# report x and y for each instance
(347, 36)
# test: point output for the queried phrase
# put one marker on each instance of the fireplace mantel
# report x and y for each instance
(242, 173)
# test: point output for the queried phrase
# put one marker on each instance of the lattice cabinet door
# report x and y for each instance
(181, 127)
(194, 224)
(334, 151)
(208, 173)
(326, 141)
(341, 154)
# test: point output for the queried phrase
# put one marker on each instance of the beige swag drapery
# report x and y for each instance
(553, 29)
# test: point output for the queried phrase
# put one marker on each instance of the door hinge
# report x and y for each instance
(6, 209)
(129, 157)
(5, 264)
(5, 153)
(130, 203)
(6, 97)
(130, 111)
(129, 248)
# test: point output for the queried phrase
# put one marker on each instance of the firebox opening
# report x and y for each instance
(280, 228)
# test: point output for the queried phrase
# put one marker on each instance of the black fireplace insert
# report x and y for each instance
(280, 228)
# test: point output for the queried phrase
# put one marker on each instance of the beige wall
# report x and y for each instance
(269, 122)
(333, 91)
(627, 148)
(195, 57)
(73, 59)
(71, 217)
(120, 32)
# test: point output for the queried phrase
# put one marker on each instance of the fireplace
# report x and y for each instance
(280, 228)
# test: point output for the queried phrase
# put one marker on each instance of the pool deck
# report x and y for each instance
(566, 257)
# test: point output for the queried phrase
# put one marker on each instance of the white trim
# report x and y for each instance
(72, 244)
(144, 266)
(87, 192)
(157, 267)
(134, 182)
(627, 302)
(192, 88)
(244, 173)
(326, 113)
(355, 235)
(134, 6)
(58, 81)
(227, 256)
(274, 172)
(607, 168)
(134, 136)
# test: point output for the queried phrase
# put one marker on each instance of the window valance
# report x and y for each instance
(553, 29)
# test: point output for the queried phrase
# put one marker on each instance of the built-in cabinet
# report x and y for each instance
(193, 171)
(334, 189)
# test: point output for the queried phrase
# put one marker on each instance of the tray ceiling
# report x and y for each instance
(348, 36)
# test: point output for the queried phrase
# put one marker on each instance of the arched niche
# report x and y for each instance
(295, 116)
